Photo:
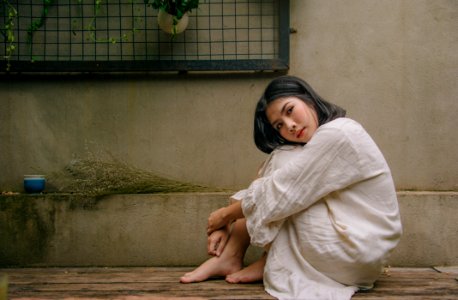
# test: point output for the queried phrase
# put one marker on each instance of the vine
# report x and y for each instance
(176, 7)
(8, 33)
(37, 24)
(91, 27)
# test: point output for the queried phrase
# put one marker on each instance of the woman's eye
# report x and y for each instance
(278, 126)
(290, 110)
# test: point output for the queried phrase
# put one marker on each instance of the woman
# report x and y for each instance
(324, 207)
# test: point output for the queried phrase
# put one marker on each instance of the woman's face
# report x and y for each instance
(293, 119)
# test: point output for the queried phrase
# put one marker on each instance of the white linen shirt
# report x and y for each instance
(328, 210)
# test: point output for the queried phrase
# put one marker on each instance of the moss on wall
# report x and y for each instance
(25, 229)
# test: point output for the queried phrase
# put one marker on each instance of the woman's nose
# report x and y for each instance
(291, 126)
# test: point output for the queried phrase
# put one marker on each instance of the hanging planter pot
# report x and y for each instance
(171, 24)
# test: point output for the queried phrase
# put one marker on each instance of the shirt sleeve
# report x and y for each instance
(331, 161)
(240, 195)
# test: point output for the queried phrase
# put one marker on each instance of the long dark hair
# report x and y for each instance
(266, 137)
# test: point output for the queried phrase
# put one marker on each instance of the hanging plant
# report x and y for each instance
(173, 17)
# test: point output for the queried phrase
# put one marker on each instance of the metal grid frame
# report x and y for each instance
(220, 37)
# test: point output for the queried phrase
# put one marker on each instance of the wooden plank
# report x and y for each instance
(163, 283)
(447, 269)
(57, 283)
(419, 283)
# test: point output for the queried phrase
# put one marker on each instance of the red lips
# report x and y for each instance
(300, 133)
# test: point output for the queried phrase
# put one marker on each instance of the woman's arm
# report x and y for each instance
(337, 156)
(224, 216)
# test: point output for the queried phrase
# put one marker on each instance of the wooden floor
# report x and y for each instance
(162, 283)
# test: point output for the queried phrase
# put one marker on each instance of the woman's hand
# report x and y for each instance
(217, 241)
(224, 216)
(217, 220)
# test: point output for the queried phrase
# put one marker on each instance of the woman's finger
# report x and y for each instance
(220, 246)
(213, 244)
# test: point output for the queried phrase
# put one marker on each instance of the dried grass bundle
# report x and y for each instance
(97, 178)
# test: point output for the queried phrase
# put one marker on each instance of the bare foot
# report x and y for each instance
(215, 266)
(252, 273)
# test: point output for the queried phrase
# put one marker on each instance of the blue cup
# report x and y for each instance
(34, 183)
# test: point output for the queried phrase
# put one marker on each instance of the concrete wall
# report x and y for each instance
(392, 64)
(169, 230)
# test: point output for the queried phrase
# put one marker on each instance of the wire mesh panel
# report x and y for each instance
(123, 35)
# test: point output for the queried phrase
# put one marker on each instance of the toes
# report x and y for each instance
(187, 278)
(232, 279)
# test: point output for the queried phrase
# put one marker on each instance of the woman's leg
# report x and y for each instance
(230, 260)
(252, 273)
